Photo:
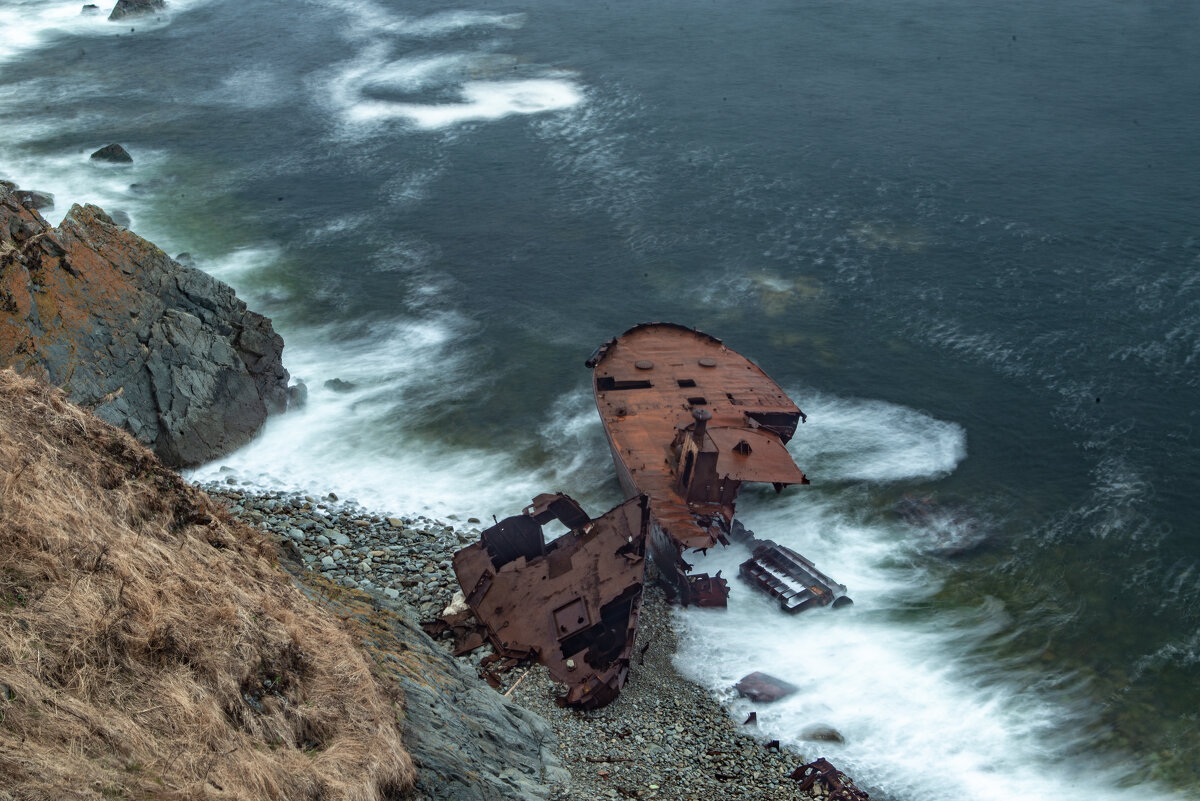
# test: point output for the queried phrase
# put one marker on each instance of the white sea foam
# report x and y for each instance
(864, 440)
(471, 85)
(76, 178)
(27, 25)
(346, 441)
(903, 690)
(481, 100)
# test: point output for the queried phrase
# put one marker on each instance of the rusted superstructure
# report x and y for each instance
(689, 421)
(571, 604)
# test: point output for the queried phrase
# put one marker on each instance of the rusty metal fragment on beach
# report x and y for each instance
(837, 786)
(571, 604)
(785, 575)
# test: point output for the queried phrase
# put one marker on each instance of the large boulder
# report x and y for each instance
(135, 8)
(165, 351)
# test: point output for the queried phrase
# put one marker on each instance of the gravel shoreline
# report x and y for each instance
(663, 738)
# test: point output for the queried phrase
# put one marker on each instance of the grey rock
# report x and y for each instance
(120, 218)
(133, 8)
(114, 153)
(298, 395)
(90, 8)
(338, 385)
(34, 199)
(823, 734)
(163, 350)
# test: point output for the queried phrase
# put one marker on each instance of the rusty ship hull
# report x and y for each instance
(688, 420)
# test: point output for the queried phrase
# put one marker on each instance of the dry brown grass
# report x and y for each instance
(150, 647)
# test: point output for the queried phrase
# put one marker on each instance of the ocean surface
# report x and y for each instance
(965, 237)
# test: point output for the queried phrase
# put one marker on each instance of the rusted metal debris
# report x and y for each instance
(838, 786)
(689, 421)
(571, 604)
(785, 575)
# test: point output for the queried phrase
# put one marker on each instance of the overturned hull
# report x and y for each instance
(689, 421)
(571, 604)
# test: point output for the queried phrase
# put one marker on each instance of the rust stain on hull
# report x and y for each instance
(688, 421)
(573, 603)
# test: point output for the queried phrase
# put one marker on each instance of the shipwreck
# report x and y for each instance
(688, 421)
(571, 604)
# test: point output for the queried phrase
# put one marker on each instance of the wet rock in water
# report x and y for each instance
(823, 734)
(120, 218)
(186, 260)
(297, 395)
(113, 153)
(134, 8)
(167, 352)
(763, 688)
(90, 8)
(338, 385)
(33, 199)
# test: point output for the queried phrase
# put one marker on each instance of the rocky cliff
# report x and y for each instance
(161, 349)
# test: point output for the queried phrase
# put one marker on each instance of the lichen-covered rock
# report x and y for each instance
(163, 350)
(133, 8)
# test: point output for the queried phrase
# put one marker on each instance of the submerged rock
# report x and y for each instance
(822, 733)
(134, 8)
(113, 153)
(165, 351)
(763, 688)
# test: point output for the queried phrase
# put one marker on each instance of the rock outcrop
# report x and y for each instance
(165, 351)
(135, 8)
(468, 742)
(113, 153)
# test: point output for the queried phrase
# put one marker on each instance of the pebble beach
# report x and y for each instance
(663, 738)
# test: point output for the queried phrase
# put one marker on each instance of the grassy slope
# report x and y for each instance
(150, 647)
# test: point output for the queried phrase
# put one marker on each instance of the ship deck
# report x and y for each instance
(647, 383)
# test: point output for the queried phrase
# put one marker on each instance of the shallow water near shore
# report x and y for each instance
(962, 237)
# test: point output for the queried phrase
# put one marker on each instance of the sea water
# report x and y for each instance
(963, 236)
